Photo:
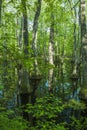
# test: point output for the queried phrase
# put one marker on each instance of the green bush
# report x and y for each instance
(46, 112)
(7, 123)
(79, 124)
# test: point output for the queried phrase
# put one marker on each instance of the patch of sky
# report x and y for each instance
(30, 23)
(62, 5)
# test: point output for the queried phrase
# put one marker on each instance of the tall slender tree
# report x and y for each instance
(83, 36)
(0, 9)
(51, 52)
(83, 47)
(23, 74)
(34, 39)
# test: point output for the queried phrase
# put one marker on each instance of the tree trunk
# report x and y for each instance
(83, 41)
(34, 40)
(25, 44)
(83, 93)
(0, 10)
(51, 53)
(22, 72)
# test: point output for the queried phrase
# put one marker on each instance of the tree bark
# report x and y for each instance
(83, 40)
(0, 10)
(23, 81)
(25, 28)
(83, 92)
(34, 39)
(51, 53)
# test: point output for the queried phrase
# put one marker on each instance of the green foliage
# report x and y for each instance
(46, 111)
(8, 123)
(1, 86)
(79, 124)
(76, 105)
(47, 107)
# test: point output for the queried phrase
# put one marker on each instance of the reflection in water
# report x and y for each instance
(65, 88)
